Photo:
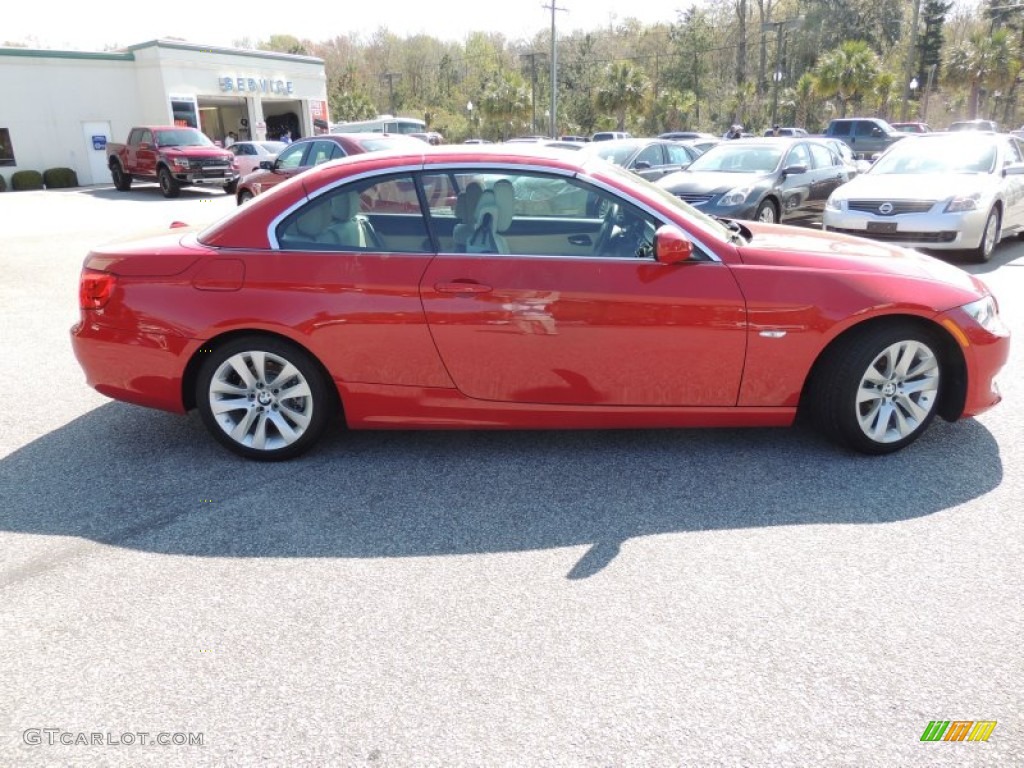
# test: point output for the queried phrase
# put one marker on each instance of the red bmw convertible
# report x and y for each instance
(513, 287)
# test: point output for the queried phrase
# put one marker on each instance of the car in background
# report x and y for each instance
(680, 135)
(701, 145)
(610, 135)
(249, 155)
(912, 127)
(769, 180)
(866, 136)
(305, 153)
(786, 131)
(649, 158)
(854, 165)
(430, 137)
(974, 125)
(937, 191)
(311, 309)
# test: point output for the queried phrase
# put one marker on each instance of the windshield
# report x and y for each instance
(270, 147)
(918, 156)
(729, 158)
(183, 137)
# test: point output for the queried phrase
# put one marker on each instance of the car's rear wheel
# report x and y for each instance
(766, 212)
(231, 186)
(989, 238)
(263, 398)
(244, 196)
(122, 180)
(878, 390)
(168, 186)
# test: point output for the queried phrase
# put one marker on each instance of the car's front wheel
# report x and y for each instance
(168, 186)
(989, 238)
(766, 212)
(876, 391)
(263, 398)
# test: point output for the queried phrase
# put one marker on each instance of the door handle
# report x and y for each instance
(462, 287)
(580, 240)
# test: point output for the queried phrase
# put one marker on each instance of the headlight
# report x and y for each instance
(833, 204)
(180, 162)
(963, 203)
(735, 196)
(985, 313)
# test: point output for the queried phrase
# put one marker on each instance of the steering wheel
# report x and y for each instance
(604, 235)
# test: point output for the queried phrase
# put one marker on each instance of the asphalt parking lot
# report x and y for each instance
(647, 598)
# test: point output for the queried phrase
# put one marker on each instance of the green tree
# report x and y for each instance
(285, 44)
(847, 72)
(623, 90)
(983, 61)
(506, 103)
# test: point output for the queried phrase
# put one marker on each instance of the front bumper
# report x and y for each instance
(206, 176)
(932, 230)
(985, 353)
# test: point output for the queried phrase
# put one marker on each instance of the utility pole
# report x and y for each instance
(554, 71)
(390, 77)
(779, 27)
(908, 68)
(533, 86)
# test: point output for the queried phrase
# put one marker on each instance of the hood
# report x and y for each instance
(196, 152)
(710, 182)
(782, 246)
(900, 186)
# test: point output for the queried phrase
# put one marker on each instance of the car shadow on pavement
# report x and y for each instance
(150, 192)
(140, 479)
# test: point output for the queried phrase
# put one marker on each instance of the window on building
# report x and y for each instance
(6, 148)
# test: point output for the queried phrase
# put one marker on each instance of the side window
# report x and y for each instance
(651, 155)
(677, 154)
(337, 151)
(320, 152)
(145, 136)
(1013, 153)
(798, 155)
(380, 215)
(863, 128)
(536, 214)
(133, 137)
(292, 157)
(822, 157)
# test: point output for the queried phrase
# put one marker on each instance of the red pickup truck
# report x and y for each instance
(172, 156)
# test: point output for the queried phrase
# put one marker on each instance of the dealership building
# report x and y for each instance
(60, 108)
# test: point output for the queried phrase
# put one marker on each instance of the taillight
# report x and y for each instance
(95, 289)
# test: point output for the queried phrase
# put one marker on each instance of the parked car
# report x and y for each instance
(701, 145)
(854, 165)
(937, 191)
(678, 135)
(866, 136)
(249, 155)
(172, 156)
(609, 135)
(307, 307)
(786, 131)
(765, 179)
(912, 127)
(303, 154)
(974, 125)
(650, 158)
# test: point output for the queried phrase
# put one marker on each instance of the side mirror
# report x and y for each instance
(267, 165)
(641, 165)
(876, 131)
(671, 246)
(794, 170)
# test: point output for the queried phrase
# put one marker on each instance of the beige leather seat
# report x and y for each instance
(465, 210)
(505, 197)
(484, 238)
(351, 229)
(314, 225)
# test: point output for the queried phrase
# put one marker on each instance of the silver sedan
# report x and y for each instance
(937, 191)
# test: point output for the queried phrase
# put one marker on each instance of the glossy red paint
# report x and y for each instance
(458, 340)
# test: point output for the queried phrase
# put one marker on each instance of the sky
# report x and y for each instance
(77, 25)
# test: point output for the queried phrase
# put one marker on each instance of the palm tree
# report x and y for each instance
(804, 93)
(847, 72)
(984, 61)
(623, 89)
(506, 102)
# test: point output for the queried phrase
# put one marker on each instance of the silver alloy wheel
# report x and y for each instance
(261, 400)
(990, 237)
(898, 391)
(766, 213)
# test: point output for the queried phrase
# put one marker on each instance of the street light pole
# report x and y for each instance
(909, 66)
(554, 71)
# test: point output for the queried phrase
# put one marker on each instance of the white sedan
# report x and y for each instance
(937, 191)
(249, 154)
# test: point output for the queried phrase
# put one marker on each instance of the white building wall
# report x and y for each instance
(47, 96)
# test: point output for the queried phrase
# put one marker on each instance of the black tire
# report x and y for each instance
(767, 212)
(989, 238)
(877, 391)
(244, 196)
(122, 180)
(239, 395)
(231, 186)
(168, 186)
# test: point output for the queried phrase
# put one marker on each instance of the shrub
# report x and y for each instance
(60, 178)
(3, 184)
(21, 180)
